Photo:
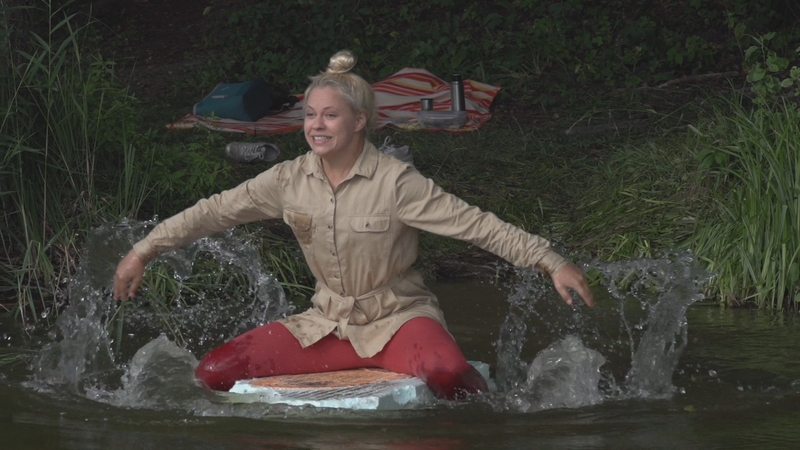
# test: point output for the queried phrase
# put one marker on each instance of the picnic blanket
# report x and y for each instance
(397, 100)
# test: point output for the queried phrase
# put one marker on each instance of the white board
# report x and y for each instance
(359, 389)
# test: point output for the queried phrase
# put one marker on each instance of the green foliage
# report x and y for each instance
(510, 43)
(768, 73)
(751, 238)
(68, 155)
(189, 170)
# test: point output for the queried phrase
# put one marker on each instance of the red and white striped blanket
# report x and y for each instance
(397, 99)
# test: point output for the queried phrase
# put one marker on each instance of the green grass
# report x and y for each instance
(752, 238)
(69, 157)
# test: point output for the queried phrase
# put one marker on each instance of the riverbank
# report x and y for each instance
(611, 162)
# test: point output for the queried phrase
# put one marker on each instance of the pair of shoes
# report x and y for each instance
(402, 153)
(250, 152)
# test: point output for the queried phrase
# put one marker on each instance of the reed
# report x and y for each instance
(751, 237)
(68, 153)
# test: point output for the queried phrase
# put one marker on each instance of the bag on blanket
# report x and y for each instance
(248, 101)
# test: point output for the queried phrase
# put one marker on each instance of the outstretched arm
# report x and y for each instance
(424, 205)
(255, 199)
(571, 277)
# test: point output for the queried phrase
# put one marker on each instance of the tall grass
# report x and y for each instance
(752, 238)
(68, 153)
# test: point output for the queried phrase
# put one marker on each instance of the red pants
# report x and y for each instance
(422, 347)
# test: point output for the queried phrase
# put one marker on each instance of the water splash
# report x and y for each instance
(160, 376)
(651, 299)
(570, 374)
(81, 357)
(664, 288)
(564, 375)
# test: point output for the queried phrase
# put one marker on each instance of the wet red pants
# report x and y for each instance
(422, 347)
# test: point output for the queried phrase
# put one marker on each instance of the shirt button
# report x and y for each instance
(336, 275)
(330, 227)
(331, 200)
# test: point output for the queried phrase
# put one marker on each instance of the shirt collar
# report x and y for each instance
(365, 165)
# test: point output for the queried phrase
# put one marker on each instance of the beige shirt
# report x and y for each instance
(359, 241)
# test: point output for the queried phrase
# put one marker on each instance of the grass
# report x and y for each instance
(755, 174)
(73, 156)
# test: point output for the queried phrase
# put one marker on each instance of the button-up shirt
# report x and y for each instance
(359, 240)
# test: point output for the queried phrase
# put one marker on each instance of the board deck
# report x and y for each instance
(363, 389)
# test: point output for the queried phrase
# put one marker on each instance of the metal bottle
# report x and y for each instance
(457, 102)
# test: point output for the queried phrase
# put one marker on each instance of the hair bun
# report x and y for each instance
(341, 62)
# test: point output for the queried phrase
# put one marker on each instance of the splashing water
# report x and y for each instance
(568, 373)
(664, 288)
(81, 359)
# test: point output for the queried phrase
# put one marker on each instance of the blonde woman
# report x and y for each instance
(356, 214)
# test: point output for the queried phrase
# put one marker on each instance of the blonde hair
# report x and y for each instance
(354, 89)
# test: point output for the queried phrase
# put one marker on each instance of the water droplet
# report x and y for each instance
(712, 373)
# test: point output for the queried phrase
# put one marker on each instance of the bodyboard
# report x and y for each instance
(358, 389)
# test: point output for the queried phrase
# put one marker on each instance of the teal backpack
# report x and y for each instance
(247, 102)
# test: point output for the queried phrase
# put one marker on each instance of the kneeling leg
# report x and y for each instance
(423, 348)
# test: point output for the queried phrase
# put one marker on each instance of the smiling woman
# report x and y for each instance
(357, 214)
(338, 113)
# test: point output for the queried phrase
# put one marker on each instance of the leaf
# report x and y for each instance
(689, 408)
(207, 10)
(756, 75)
(787, 83)
(748, 54)
(739, 30)
(794, 273)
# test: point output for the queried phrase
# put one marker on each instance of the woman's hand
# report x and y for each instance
(571, 277)
(128, 276)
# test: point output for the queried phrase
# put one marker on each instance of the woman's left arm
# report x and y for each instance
(424, 205)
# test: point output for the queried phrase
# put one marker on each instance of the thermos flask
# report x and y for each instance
(457, 94)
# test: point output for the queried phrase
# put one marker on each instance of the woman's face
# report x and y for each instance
(331, 127)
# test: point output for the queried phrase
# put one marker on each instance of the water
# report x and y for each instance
(648, 367)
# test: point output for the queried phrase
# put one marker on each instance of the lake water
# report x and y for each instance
(650, 366)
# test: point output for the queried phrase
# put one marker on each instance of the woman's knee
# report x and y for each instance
(222, 367)
(429, 352)
(246, 356)
(455, 384)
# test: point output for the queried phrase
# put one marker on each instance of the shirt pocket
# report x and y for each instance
(300, 224)
(369, 224)
(369, 238)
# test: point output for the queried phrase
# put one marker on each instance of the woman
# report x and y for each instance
(356, 213)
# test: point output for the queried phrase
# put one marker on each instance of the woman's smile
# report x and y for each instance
(332, 128)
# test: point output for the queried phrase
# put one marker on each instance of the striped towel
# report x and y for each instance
(397, 99)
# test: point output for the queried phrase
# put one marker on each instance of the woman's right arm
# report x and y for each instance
(255, 199)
